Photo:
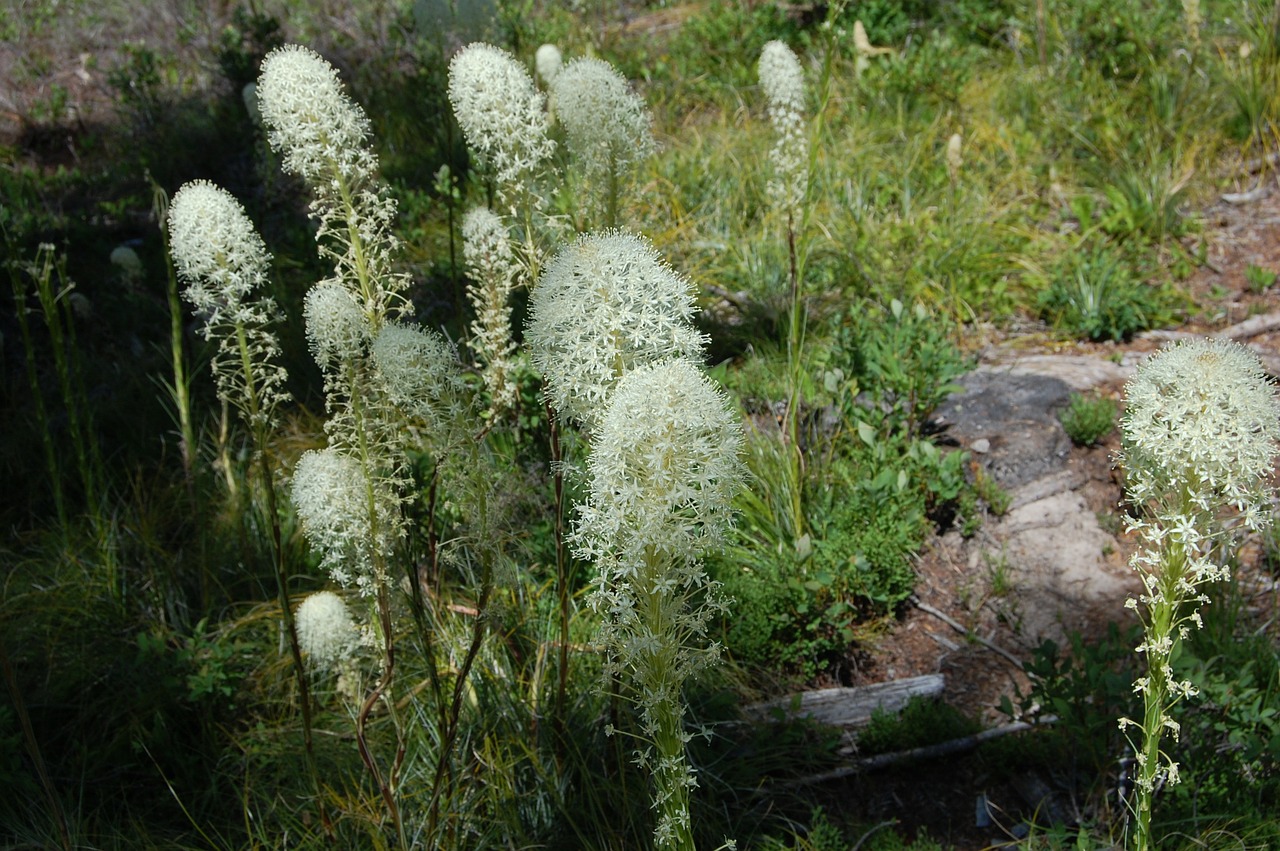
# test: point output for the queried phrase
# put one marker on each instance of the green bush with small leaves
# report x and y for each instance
(1088, 419)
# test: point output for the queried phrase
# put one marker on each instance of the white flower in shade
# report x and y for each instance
(492, 267)
(127, 261)
(782, 79)
(310, 119)
(342, 516)
(501, 113)
(326, 631)
(605, 305)
(418, 370)
(606, 125)
(337, 328)
(664, 465)
(216, 249)
(547, 61)
(224, 263)
(1201, 418)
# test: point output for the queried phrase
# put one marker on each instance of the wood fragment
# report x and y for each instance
(849, 707)
(1251, 327)
(949, 621)
(1257, 193)
(871, 763)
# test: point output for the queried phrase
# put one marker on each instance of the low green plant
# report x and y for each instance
(922, 722)
(907, 360)
(1259, 278)
(1088, 419)
(1094, 295)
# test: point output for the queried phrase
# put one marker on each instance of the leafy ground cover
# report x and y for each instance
(1039, 176)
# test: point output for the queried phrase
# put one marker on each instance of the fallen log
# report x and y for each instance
(848, 707)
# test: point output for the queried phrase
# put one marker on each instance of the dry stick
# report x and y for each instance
(970, 634)
(362, 744)
(947, 748)
(443, 765)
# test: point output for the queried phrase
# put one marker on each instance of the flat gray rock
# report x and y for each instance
(1011, 422)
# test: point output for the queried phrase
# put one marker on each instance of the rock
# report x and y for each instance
(1016, 416)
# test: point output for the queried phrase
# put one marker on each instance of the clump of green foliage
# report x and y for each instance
(1088, 419)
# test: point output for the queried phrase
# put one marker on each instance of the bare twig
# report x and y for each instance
(956, 625)
(947, 748)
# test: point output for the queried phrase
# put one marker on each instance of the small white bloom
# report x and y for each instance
(547, 61)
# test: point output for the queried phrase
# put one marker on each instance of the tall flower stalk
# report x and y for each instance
(224, 263)
(782, 79)
(610, 330)
(323, 137)
(1199, 445)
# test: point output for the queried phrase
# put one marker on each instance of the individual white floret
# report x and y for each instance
(605, 305)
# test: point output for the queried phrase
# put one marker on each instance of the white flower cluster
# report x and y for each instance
(324, 137)
(224, 262)
(417, 369)
(345, 517)
(337, 328)
(605, 305)
(326, 631)
(502, 114)
(782, 79)
(310, 119)
(605, 124)
(1199, 444)
(663, 470)
(547, 61)
(1200, 416)
(664, 466)
(492, 267)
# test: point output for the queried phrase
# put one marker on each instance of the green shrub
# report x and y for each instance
(1088, 419)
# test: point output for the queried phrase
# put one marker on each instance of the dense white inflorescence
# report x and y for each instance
(502, 114)
(605, 305)
(606, 126)
(224, 263)
(326, 631)
(782, 79)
